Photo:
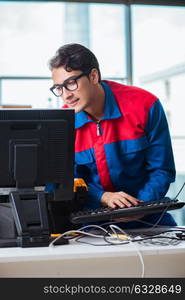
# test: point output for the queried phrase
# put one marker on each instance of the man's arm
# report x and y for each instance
(159, 163)
(159, 156)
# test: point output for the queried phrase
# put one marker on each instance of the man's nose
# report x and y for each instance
(67, 94)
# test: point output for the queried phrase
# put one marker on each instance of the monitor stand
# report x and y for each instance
(24, 220)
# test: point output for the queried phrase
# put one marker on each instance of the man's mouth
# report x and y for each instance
(73, 103)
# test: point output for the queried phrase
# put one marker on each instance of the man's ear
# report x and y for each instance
(94, 76)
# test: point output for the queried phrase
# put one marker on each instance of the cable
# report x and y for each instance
(137, 250)
(171, 240)
(79, 231)
(94, 226)
(78, 240)
(138, 238)
(161, 216)
(179, 191)
(68, 233)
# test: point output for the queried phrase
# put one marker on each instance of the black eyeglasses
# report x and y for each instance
(70, 84)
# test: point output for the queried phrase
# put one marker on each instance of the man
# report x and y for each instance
(122, 147)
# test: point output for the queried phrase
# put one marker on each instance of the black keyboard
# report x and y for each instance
(143, 208)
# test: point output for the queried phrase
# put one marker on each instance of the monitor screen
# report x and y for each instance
(36, 148)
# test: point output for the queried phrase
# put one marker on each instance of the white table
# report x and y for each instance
(82, 260)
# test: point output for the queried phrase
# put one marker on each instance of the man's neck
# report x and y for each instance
(96, 111)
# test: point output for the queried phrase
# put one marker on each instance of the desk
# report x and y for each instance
(82, 260)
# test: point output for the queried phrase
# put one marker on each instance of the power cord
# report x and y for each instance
(179, 191)
(81, 231)
(113, 227)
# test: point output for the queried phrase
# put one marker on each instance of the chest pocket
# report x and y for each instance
(84, 158)
(132, 153)
(132, 146)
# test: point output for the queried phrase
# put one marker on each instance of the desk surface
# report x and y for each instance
(83, 260)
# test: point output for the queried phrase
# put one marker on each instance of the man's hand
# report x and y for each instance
(118, 199)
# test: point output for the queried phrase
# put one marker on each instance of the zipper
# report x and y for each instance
(99, 129)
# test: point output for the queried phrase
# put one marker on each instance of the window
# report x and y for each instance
(159, 66)
(31, 33)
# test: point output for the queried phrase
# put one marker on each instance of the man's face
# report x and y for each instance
(80, 98)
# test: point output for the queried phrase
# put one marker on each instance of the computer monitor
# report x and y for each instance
(40, 141)
(36, 148)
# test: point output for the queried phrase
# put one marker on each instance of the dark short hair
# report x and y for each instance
(74, 57)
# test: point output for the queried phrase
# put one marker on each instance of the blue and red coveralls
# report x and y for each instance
(128, 150)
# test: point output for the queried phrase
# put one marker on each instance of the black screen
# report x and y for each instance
(36, 148)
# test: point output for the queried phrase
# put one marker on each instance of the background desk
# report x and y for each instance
(81, 260)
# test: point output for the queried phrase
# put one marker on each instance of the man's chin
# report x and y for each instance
(78, 109)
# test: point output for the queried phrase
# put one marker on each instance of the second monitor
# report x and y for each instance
(36, 148)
